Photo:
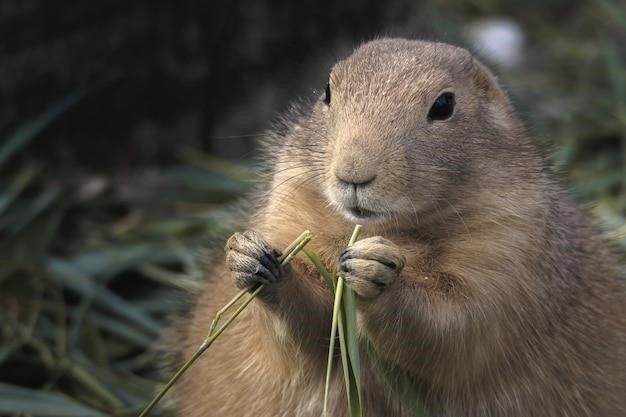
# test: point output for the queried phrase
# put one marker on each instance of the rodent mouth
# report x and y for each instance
(359, 214)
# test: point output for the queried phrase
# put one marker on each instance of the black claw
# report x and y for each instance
(271, 263)
(264, 274)
(253, 281)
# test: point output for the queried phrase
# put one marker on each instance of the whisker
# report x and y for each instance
(459, 216)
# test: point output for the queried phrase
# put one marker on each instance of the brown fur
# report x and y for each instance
(488, 287)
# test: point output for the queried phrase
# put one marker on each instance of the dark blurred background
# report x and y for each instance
(127, 134)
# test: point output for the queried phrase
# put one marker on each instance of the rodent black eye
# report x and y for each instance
(442, 108)
(327, 95)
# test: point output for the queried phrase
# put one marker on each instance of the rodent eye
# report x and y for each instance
(327, 95)
(442, 108)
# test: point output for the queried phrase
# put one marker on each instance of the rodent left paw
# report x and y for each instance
(370, 265)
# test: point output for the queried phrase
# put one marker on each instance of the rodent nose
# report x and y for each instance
(357, 169)
(355, 180)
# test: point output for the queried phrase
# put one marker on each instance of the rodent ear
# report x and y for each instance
(497, 101)
(485, 81)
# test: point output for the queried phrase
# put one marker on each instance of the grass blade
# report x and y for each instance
(16, 186)
(30, 212)
(331, 347)
(326, 276)
(28, 131)
(339, 310)
(109, 261)
(39, 403)
(353, 390)
(73, 279)
(352, 347)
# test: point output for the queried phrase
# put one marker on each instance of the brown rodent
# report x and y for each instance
(475, 273)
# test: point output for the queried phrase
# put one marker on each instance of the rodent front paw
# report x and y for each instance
(370, 265)
(252, 260)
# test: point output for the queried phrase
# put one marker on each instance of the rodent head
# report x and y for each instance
(401, 124)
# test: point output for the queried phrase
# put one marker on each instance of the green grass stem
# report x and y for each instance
(213, 334)
(338, 312)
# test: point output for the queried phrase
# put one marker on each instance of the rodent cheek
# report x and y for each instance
(407, 181)
(337, 193)
(340, 194)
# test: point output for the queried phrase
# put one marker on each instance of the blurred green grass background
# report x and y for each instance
(109, 191)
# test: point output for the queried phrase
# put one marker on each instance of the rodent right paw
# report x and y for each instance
(252, 260)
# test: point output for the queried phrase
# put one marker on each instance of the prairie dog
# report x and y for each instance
(475, 274)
